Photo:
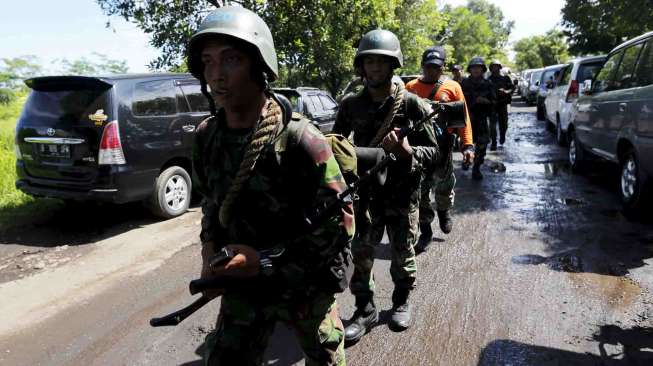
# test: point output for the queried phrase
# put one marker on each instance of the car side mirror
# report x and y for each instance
(537, 83)
(587, 87)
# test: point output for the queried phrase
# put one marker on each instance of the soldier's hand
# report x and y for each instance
(208, 252)
(245, 263)
(400, 147)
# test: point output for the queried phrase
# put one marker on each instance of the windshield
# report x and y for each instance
(67, 107)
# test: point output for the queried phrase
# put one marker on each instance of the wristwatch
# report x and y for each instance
(267, 257)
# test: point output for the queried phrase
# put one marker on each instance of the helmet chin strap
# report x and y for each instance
(378, 84)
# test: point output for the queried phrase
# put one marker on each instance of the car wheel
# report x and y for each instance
(631, 182)
(540, 113)
(576, 153)
(172, 193)
(561, 139)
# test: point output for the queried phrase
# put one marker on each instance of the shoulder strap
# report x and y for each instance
(437, 86)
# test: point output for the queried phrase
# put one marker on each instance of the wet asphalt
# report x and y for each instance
(542, 268)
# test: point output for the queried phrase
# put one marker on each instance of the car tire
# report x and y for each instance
(577, 155)
(631, 181)
(540, 113)
(172, 193)
(561, 138)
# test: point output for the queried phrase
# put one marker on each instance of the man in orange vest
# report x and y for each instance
(431, 85)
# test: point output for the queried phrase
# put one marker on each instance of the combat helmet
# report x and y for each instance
(239, 23)
(380, 42)
(477, 61)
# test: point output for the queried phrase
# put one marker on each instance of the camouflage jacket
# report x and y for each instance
(292, 175)
(502, 82)
(362, 116)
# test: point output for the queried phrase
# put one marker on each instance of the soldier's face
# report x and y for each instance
(476, 71)
(495, 69)
(227, 70)
(432, 72)
(378, 69)
(456, 73)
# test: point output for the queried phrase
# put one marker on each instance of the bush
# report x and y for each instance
(6, 96)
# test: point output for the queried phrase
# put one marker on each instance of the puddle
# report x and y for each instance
(533, 259)
(497, 167)
(563, 262)
(618, 292)
(570, 201)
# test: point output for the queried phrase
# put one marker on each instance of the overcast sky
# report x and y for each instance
(75, 28)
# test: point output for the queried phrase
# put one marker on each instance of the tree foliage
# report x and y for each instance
(100, 64)
(541, 50)
(477, 29)
(597, 26)
(315, 39)
(12, 72)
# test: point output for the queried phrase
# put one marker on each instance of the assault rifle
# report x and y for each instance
(446, 115)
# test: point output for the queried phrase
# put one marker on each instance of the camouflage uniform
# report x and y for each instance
(395, 205)
(292, 174)
(500, 115)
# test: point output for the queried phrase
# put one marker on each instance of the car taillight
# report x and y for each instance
(572, 93)
(110, 146)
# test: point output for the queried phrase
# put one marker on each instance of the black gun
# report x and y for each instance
(447, 115)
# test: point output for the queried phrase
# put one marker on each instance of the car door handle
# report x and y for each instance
(188, 128)
(622, 107)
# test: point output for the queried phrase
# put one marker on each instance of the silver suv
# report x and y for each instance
(614, 120)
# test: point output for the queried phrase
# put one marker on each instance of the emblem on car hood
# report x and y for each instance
(50, 131)
(98, 117)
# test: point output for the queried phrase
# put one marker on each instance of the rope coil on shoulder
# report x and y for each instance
(386, 127)
(271, 118)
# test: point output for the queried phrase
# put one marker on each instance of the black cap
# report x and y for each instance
(456, 67)
(434, 55)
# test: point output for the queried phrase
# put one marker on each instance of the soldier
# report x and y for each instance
(503, 88)
(374, 115)
(432, 86)
(480, 99)
(456, 71)
(259, 171)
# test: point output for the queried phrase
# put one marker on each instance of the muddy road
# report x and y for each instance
(541, 268)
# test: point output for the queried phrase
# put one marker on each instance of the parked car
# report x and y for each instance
(545, 85)
(614, 119)
(559, 102)
(524, 83)
(314, 103)
(114, 139)
(533, 86)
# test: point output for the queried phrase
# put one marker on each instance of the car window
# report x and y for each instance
(565, 75)
(604, 77)
(196, 100)
(644, 73)
(547, 78)
(328, 103)
(624, 77)
(316, 102)
(535, 77)
(308, 102)
(154, 98)
(588, 71)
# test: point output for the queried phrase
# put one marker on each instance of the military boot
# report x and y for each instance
(476, 172)
(446, 222)
(400, 317)
(425, 238)
(364, 318)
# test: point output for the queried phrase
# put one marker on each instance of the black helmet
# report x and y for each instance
(456, 68)
(380, 42)
(476, 61)
(239, 23)
(434, 55)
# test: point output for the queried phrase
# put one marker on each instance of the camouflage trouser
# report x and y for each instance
(481, 135)
(244, 328)
(402, 227)
(444, 197)
(499, 116)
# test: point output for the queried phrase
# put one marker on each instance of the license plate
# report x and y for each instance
(54, 150)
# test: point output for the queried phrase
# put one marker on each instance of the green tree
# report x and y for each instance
(477, 29)
(100, 64)
(597, 26)
(541, 50)
(314, 39)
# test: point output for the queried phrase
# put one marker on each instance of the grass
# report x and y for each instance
(15, 207)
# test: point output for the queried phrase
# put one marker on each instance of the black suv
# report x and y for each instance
(114, 139)
(314, 103)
